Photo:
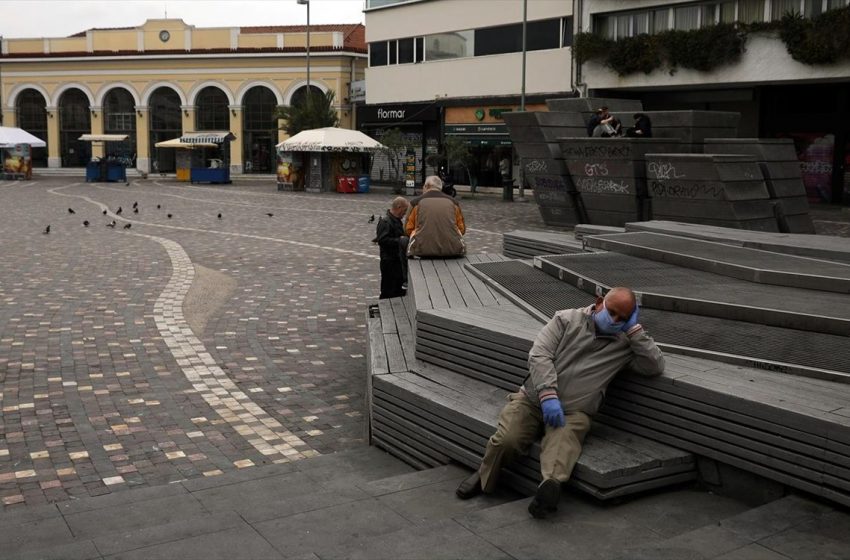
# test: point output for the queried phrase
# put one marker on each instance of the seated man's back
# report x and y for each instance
(435, 224)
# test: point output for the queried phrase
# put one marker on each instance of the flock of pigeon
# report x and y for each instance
(128, 225)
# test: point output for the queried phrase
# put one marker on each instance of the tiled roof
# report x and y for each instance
(83, 33)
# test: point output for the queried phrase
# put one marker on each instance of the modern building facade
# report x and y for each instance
(777, 95)
(452, 67)
(164, 78)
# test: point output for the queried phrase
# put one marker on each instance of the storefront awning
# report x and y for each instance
(178, 143)
(103, 137)
(10, 136)
(207, 137)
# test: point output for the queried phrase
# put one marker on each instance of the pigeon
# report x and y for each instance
(372, 219)
(71, 211)
(85, 223)
(112, 224)
(104, 212)
(127, 226)
(135, 210)
(219, 215)
(269, 214)
(47, 229)
(135, 205)
(119, 210)
(158, 206)
(169, 216)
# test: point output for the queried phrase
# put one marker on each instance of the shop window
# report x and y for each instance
(686, 18)
(74, 120)
(544, 34)
(299, 94)
(567, 39)
(420, 49)
(660, 20)
(750, 11)
(604, 27)
(212, 111)
(624, 25)
(31, 115)
(165, 124)
(378, 53)
(119, 110)
(727, 12)
(393, 52)
(708, 15)
(834, 4)
(405, 51)
(259, 130)
(778, 8)
(640, 23)
(444, 46)
(812, 8)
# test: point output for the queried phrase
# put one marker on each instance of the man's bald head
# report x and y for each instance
(620, 303)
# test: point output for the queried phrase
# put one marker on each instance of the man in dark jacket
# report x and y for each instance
(393, 243)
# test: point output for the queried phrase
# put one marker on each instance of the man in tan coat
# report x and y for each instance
(435, 223)
(573, 359)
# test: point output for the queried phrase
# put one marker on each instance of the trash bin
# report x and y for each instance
(341, 184)
(363, 183)
(93, 171)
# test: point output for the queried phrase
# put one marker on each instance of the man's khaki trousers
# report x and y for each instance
(520, 424)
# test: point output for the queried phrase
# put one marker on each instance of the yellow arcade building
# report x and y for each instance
(165, 78)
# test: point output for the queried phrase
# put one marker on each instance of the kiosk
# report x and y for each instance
(188, 156)
(16, 148)
(217, 160)
(325, 159)
(110, 168)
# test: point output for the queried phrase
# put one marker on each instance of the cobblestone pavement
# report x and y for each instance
(104, 385)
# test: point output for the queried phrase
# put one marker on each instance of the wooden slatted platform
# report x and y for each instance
(423, 414)
(752, 265)
(521, 244)
(814, 246)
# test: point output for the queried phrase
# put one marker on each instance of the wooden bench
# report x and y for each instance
(429, 415)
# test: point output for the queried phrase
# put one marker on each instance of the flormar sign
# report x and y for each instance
(385, 114)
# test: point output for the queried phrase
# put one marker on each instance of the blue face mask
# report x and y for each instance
(605, 324)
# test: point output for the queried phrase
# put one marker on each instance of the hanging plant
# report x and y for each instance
(702, 49)
(822, 40)
(635, 54)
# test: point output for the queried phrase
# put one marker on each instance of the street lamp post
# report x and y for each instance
(521, 197)
(307, 3)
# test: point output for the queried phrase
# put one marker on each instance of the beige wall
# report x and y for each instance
(210, 38)
(547, 72)
(114, 41)
(187, 75)
(424, 18)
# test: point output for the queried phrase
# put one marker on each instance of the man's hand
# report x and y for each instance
(553, 414)
(633, 320)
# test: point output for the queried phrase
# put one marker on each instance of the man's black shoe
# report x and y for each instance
(470, 487)
(546, 500)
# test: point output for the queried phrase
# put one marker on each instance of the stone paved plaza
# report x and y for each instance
(188, 346)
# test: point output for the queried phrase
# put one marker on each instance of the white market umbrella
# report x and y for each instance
(10, 135)
(330, 139)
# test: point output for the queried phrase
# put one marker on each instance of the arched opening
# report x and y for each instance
(165, 124)
(31, 115)
(74, 121)
(299, 94)
(211, 110)
(259, 130)
(119, 110)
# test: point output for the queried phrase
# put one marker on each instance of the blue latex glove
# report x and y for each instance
(553, 414)
(633, 320)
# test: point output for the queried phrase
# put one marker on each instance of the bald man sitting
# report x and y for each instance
(573, 359)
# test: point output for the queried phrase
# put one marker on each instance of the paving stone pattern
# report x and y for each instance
(104, 387)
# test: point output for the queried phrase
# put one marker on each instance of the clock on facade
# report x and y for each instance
(164, 36)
